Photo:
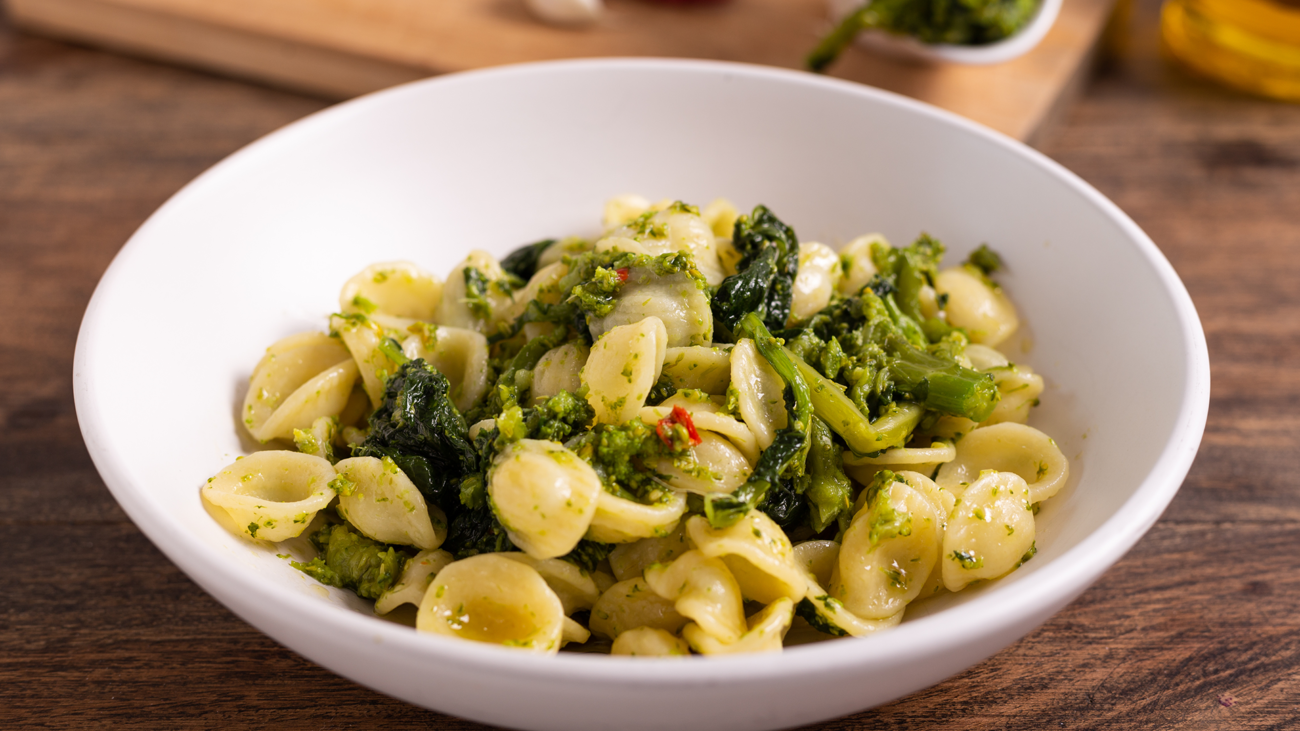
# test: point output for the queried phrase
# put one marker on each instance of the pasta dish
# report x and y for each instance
(693, 434)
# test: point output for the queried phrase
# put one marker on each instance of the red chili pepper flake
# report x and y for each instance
(622, 274)
(678, 416)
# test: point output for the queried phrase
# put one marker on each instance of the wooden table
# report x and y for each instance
(1197, 628)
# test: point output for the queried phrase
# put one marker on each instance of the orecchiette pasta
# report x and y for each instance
(819, 274)
(414, 582)
(272, 496)
(649, 642)
(760, 392)
(459, 354)
(702, 589)
(888, 552)
(758, 554)
(630, 604)
(1008, 447)
(378, 499)
(990, 532)
(288, 366)
(624, 364)
(489, 598)
(983, 310)
(676, 301)
(397, 288)
(764, 633)
(559, 370)
(619, 436)
(545, 496)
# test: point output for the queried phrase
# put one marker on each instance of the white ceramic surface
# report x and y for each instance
(909, 48)
(258, 247)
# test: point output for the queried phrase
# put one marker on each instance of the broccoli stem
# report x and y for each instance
(943, 385)
(790, 445)
(831, 405)
(830, 492)
(839, 39)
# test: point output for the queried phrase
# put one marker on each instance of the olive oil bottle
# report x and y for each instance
(1251, 44)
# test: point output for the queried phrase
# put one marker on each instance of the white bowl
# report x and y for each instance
(258, 247)
(909, 48)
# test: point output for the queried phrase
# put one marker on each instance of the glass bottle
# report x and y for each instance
(1251, 44)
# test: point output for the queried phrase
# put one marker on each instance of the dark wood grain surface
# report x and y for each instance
(1197, 628)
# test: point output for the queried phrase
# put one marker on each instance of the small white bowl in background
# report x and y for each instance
(257, 248)
(911, 49)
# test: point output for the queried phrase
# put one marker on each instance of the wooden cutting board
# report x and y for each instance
(344, 48)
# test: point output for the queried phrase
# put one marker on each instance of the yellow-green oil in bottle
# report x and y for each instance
(1250, 44)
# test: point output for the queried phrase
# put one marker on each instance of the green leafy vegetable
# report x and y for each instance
(352, 561)
(419, 428)
(764, 280)
(958, 22)
(522, 262)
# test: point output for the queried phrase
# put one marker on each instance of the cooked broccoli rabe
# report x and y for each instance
(522, 262)
(352, 561)
(960, 22)
(419, 428)
(789, 446)
(764, 278)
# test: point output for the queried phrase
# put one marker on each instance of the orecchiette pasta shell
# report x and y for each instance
(1019, 388)
(888, 552)
(318, 441)
(766, 630)
(384, 504)
(650, 642)
(819, 274)
(544, 495)
(397, 288)
(630, 560)
(459, 354)
(325, 395)
(575, 588)
(832, 618)
(454, 308)
(985, 312)
(556, 252)
(761, 392)
(990, 533)
(544, 287)
(414, 581)
(678, 230)
(488, 598)
(559, 370)
(937, 452)
(758, 554)
(721, 215)
(630, 604)
(857, 264)
(619, 520)
(942, 500)
(571, 631)
(363, 338)
(983, 358)
(714, 465)
(704, 590)
(817, 558)
(622, 368)
(285, 367)
(623, 209)
(1008, 447)
(740, 436)
(705, 368)
(272, 496)
(676, 300)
